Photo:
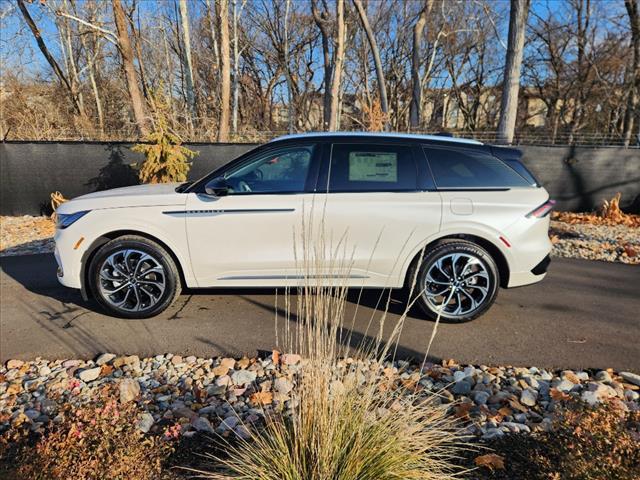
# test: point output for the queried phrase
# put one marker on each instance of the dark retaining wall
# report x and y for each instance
(579, 178)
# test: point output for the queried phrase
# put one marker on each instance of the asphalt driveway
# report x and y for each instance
(583, 315)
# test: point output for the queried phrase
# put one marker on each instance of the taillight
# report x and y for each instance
(543, 210)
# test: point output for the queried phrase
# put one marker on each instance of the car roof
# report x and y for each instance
(405, 136)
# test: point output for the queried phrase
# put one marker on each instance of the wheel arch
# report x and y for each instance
(107, 237)
(488, 245)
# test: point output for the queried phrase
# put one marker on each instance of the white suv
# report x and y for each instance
(461, 217)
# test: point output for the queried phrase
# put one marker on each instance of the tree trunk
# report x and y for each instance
(511, 80)
(415, 108)
(126, 54)
(382, 87)
(338, 61)
(236, 70)
(633, 10)
(225, 72)
(287, 72)
(322, 23)
(52, 62)
(188, 62)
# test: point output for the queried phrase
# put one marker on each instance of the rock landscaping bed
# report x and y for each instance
(230, 397)
(26, 235)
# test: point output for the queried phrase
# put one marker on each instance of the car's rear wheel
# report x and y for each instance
(457, 280)
(133, 277)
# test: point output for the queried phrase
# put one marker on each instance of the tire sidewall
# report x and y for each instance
(458, 246)
(157, 253)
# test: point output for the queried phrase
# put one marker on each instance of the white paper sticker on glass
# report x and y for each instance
(373, 167)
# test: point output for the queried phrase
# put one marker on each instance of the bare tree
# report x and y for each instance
(225, 71)
(511, 80)
(187, 60)
(126, 54)
(338, 62)
(631, 113)
(415, 108)
(66, 82)
(382, 87)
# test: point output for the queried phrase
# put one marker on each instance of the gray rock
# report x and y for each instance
(145, 423)
(461, 388)
(105, 358)
(631, 378)
(229, 423)
(481, 397)
(243, 432)
(565, 386)
(129, 390)
(90, 374)
(32, 414)
(528, 397)
(283, 385)
(243, 377)
(202, 424)
(603, 376)
(590, 397)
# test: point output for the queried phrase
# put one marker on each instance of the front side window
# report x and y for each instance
(366, 168)
(281, 171)
(459, 168)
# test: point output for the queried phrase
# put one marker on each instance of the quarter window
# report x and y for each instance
(281, 171)
(467, 169)
(366, 168)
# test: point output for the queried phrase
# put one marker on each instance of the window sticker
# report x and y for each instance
(373, 167)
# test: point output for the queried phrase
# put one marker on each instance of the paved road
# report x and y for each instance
(584, 314)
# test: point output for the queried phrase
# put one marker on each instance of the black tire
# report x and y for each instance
(147, 293)
(442, 251)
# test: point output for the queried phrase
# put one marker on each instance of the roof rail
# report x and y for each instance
(436, 138)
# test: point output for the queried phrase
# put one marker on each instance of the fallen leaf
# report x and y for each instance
(630, 251)
(462, 410)
(261, 398)
(558, 395)
(491, 461)
(505, 411)
(515, 404)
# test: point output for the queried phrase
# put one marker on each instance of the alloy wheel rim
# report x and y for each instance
(456, 284)
(132, 280)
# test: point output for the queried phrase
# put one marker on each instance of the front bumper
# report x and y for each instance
(541, 268)
(69, 258)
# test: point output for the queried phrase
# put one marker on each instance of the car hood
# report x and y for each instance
(150, 195)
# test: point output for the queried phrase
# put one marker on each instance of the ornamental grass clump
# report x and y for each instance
(347, 419)
(166, 160)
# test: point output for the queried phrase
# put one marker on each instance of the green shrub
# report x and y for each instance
(166, 160)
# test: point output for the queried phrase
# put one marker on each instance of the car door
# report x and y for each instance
(378, 208)
(246, 234)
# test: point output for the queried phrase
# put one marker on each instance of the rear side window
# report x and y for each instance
(460, 168)
(366, 168)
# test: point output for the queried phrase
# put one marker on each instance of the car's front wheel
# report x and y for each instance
(133, 277)
(457, 280)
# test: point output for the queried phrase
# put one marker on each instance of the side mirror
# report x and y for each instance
(217, 187)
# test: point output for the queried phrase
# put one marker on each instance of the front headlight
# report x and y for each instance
(63, 220)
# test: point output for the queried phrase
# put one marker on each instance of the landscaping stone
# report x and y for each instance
(90, 374)
(129, 390)
(631, 378)
(497, 400)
